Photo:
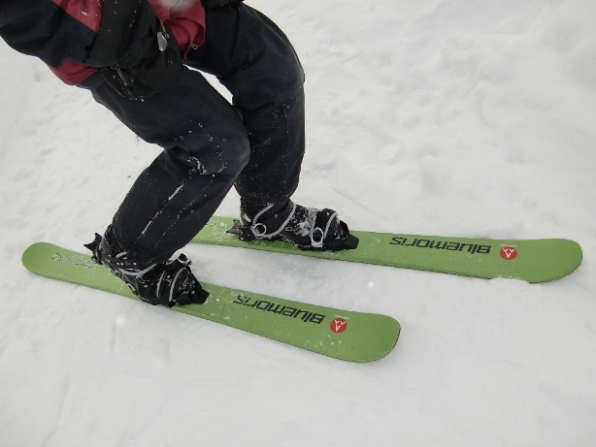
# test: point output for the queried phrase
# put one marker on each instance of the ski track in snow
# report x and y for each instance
(458, 118)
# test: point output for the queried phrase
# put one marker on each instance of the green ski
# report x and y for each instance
(341, 334)
(534, 261)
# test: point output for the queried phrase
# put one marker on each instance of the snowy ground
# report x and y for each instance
(462, 118)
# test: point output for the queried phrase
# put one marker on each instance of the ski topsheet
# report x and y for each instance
(341, 334)
(534, 261)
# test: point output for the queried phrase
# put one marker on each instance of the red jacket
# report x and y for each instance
(188, 27)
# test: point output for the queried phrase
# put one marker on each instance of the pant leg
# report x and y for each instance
(255, 61)
(205, 148)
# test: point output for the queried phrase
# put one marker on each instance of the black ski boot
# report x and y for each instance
(167, 283)
(304, 228)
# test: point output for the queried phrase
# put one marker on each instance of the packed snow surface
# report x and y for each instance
(460, 118)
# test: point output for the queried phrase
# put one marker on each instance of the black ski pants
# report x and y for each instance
(209, 145)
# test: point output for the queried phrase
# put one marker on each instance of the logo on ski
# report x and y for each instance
(508, 253)
(442, 245)
(338, 325)
(73, 260)
(287, 311)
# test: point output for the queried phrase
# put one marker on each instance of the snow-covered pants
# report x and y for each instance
(255, 144)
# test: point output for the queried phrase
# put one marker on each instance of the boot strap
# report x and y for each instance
(328, 232)
(112, 261)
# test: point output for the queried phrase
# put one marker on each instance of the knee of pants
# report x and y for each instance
(288, 76)
(220, 150)
(283, 79)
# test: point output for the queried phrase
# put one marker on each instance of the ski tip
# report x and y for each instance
(387, 331)
(564, 259)
(31, 253)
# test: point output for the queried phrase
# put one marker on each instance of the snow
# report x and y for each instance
(461, 118)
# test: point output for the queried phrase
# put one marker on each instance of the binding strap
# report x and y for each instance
(119, 261)
(327, 233)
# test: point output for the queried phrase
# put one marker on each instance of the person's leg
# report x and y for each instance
(255, 61)
(205, 147)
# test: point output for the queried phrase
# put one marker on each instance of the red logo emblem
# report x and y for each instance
(338, 325)
(508, 253)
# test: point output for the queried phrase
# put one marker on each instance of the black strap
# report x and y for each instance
(102, 258)
(242, 231)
